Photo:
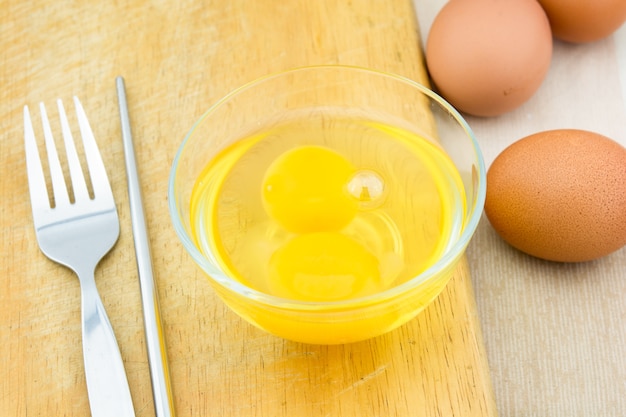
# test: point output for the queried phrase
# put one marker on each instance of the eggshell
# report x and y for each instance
(584, 20)
(487, 57)
(560, 195)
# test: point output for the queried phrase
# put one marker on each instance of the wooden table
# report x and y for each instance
(178, 58)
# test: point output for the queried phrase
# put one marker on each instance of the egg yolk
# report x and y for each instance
(305, 190)
(324, 266)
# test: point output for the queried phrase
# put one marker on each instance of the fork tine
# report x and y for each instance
(99, 179)
(59, 189)
(76, 173)
(36, 180)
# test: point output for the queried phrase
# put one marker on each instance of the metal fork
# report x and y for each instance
(78, 234)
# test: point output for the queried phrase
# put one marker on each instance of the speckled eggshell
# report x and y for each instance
(560, 195)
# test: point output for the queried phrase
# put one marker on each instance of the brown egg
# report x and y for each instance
(487, 57)
(584, 20)
(560, 195)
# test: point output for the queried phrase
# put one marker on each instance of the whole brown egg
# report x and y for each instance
(487, 57)
(584, 20)
(560, 195)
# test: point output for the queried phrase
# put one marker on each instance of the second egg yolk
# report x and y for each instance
(325, 266)
(305, 190)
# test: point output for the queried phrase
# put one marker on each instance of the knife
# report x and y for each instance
(157, 355)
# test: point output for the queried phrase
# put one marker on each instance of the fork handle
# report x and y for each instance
(107, 385)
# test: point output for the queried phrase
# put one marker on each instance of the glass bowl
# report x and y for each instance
(376, 121)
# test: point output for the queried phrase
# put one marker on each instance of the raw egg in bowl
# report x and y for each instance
(328, 204)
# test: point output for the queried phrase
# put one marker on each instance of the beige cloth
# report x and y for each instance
(555, 333)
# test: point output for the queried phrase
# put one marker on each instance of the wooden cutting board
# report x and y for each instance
(178, 58)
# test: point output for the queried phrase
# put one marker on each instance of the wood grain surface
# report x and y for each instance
(177, 59)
